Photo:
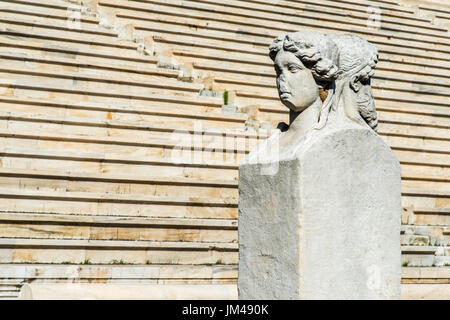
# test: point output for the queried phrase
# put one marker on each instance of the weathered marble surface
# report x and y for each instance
(326, 225)
(320, 204)
(126, 291)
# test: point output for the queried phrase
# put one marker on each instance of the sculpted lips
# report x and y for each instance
(285, 95)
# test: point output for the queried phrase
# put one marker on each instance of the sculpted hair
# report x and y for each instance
(357, 56)
(316, 51)
(358, 59)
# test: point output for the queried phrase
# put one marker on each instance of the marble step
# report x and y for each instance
(422, 216)
(40, 62)
(443, 123)
(417, 140)
(425, 283)
(425, 256)
(154, 135)
(116, 204)
(22, 21)
(177, 148)
(55, 37)
(425, 275)
(114, 128)
(8, 288)
(79, 80)
(90, 227)
(97, 163)
(46, 4)
(425, 198)
(428, 116)
(195, 137)
(128, 291)
(23, 179)
(9, 295)
(57, 50)
(424, 171)
(120, 273)
(116, 108)
(180, 115)
(109, 251)
(414, 176)
(426, 182)
(425, 235)
(36, 90)
(421, 161)
(51, 11)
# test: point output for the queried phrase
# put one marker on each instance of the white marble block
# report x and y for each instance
(326, 225)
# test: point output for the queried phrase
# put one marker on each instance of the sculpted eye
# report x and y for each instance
(293, 68)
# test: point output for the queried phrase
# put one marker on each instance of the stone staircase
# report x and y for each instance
(118, 165)
(437, 11)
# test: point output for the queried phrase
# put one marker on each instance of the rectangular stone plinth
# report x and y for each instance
(325, 225)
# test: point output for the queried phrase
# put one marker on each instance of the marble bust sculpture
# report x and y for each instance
(325, 223)
(319, 74)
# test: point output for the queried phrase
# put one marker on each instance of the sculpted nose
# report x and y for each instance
(282, 85)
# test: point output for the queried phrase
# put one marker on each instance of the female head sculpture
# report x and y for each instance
(312, 67)
(305, 63)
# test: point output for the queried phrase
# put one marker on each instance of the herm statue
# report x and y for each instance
(320, 201)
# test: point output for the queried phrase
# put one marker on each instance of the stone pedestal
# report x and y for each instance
(325, 224)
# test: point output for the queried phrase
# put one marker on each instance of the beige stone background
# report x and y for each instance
(92, 202)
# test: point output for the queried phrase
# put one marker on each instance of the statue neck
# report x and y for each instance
(302, 122)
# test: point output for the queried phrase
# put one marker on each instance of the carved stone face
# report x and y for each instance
(363, 99)
(296, 85)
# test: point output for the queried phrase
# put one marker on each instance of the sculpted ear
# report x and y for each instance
(354, 83)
